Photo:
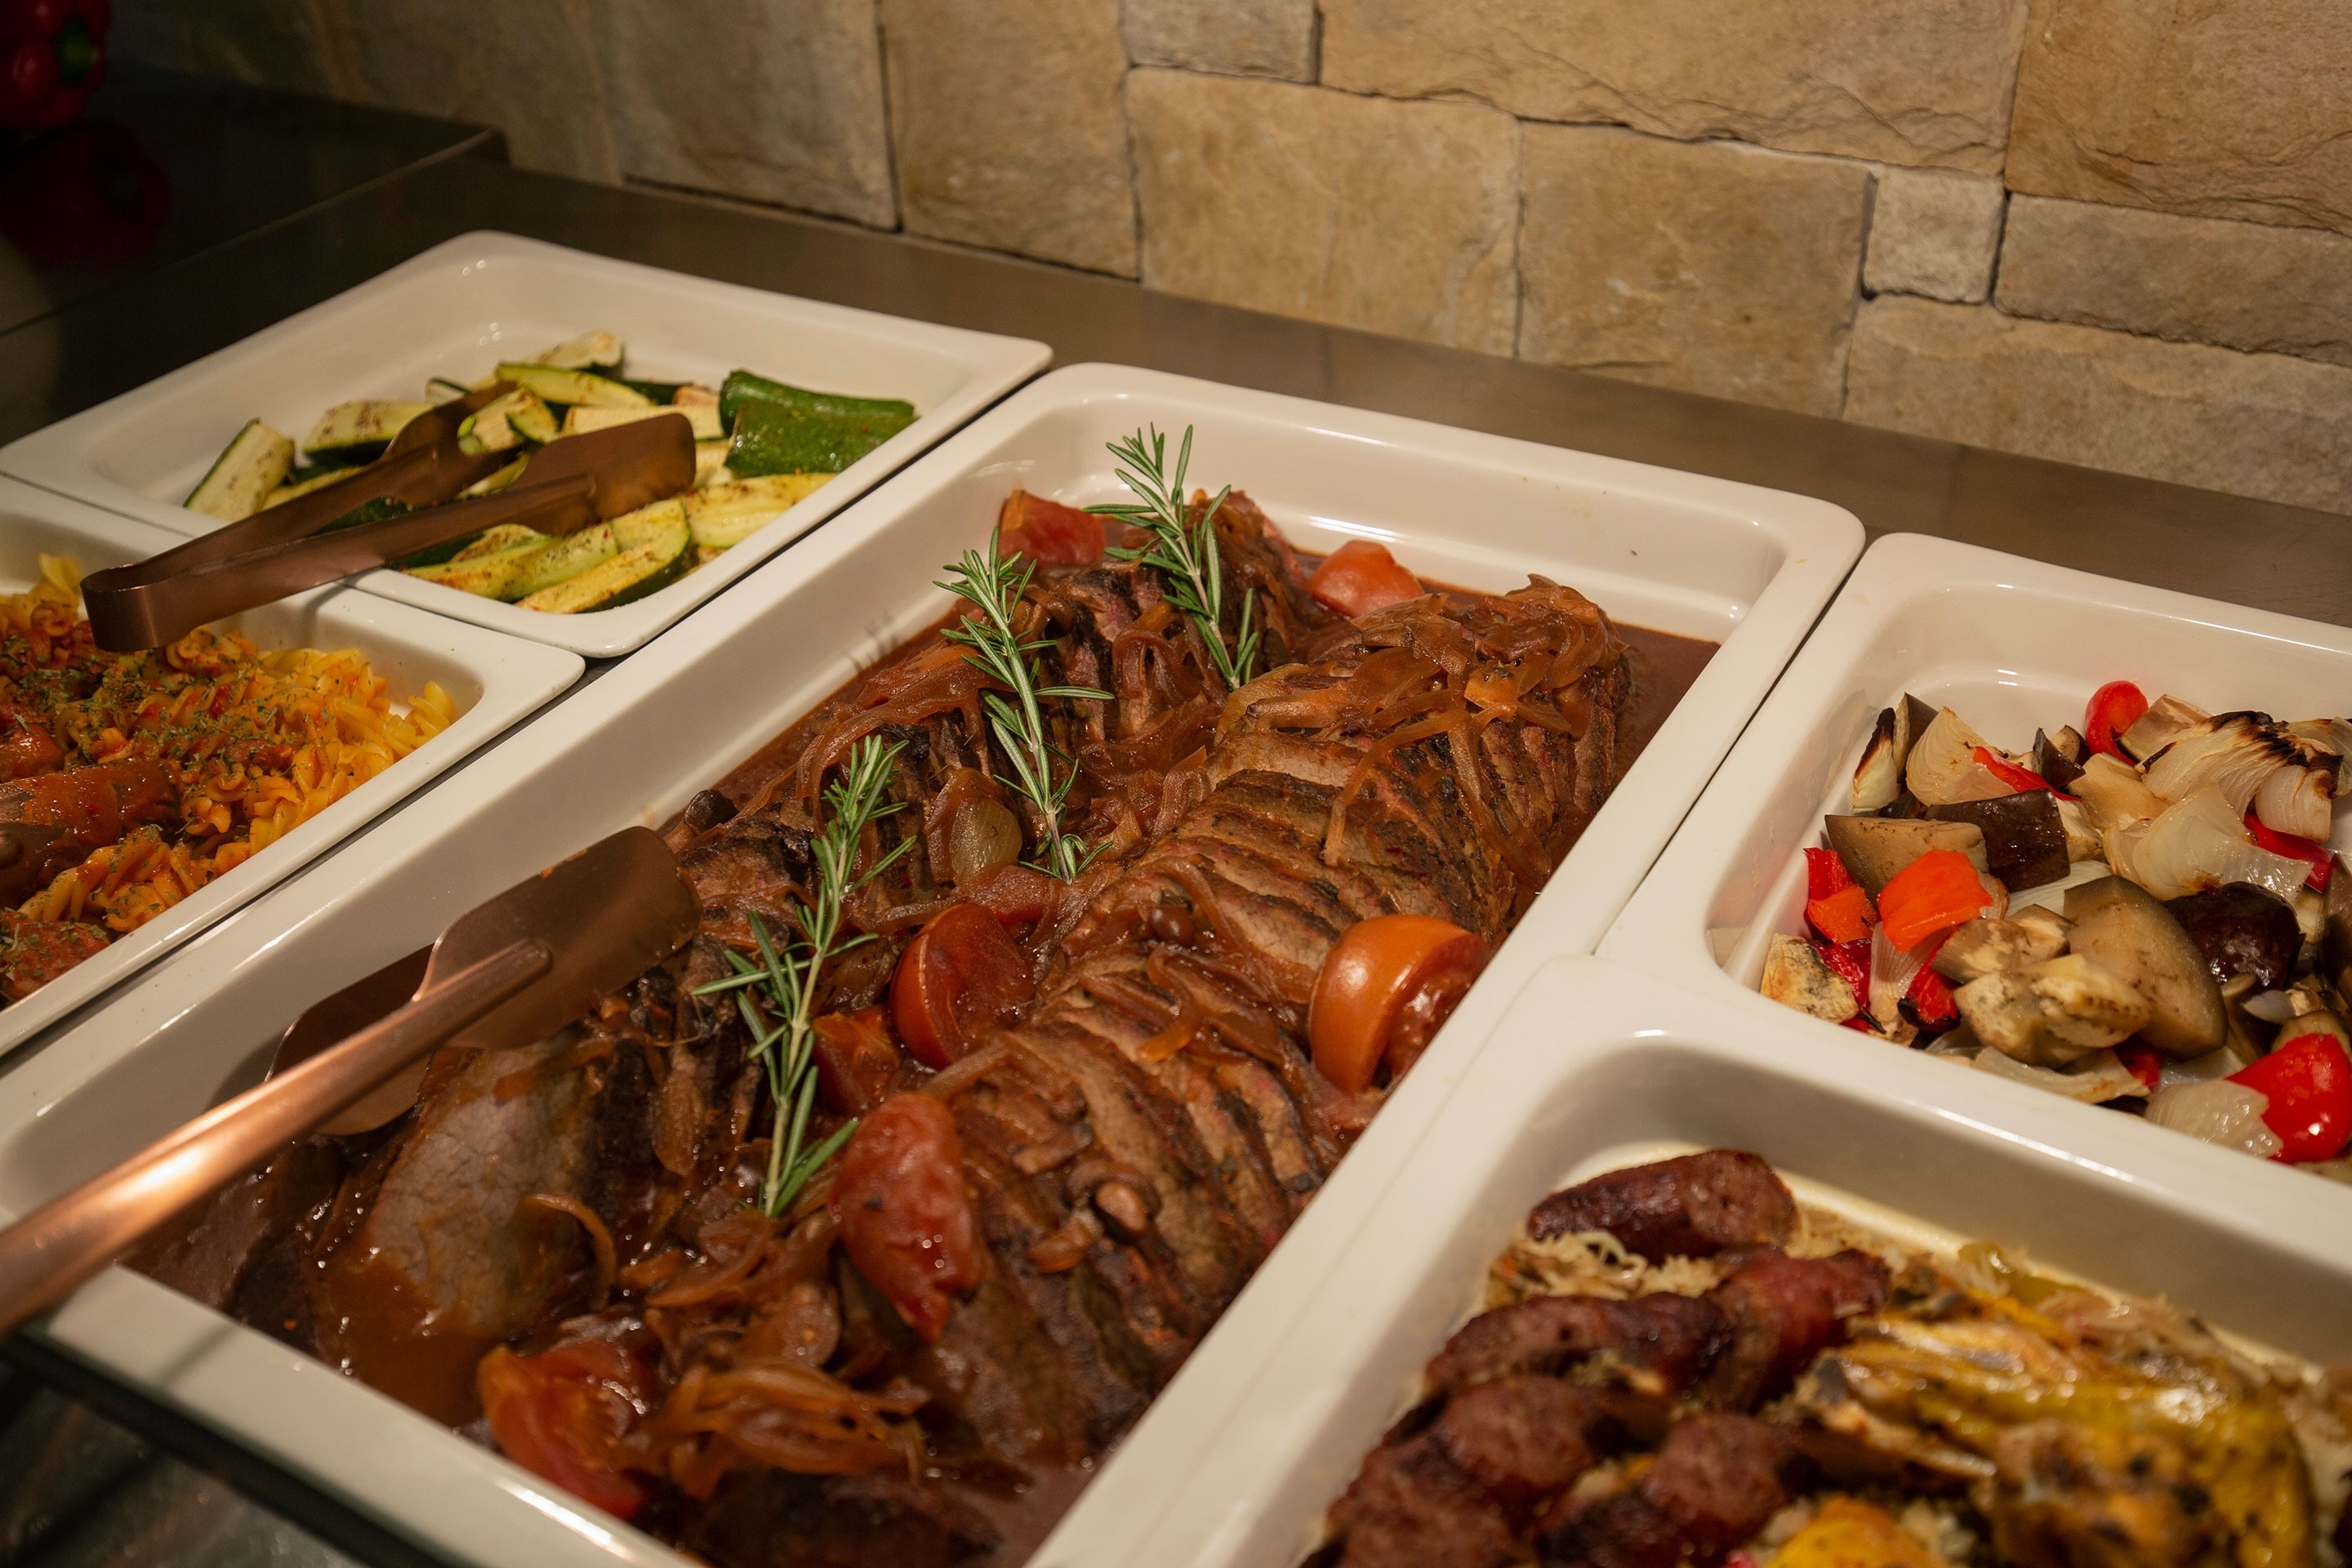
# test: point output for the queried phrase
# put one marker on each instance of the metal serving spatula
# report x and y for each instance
(513, 972)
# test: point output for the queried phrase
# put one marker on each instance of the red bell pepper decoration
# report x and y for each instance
(52, 57)
(2017, 778)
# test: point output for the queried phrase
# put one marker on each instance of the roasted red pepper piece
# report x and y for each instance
(1851, 962)
(2308, 1081)
(2145, 1063)
(52, 57)
(2322, 862)
(1825, 874)
(2015, 777)
(1931, 999)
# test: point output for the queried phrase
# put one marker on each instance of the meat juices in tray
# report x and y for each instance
(1046, 971)
(1681, 1368)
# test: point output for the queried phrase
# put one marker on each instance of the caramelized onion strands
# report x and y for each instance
(599, 1238)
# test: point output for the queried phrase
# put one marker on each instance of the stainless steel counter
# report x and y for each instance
(2254, 553)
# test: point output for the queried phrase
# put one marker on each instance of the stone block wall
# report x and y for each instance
(2111, 232)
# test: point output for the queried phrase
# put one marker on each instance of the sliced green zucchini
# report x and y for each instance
(653, 391)
(357, 431)
(568, 556)
(499, 575)
(589, 351)
(495, 482)
(441, 389)
(724, 515)
(509, 421)
(776, 439)
(692, 392)
(666, 556)
(505, 536)
(253, 463)
(711, 463)
(741, 387)
(302, 481)
(581, 418)
(574, 387)
(648, 524)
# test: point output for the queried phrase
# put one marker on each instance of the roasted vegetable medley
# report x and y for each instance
(2144, 914)
(760, 447)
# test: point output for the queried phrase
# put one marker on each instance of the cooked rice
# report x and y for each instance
(256, 743)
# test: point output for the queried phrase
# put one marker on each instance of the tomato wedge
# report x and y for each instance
(855, 1059)
(560, 1413)
(1384, 989)
(1361, 577)
(906, 1222)
(2114, 708)
(958, 976)
(1048, 531)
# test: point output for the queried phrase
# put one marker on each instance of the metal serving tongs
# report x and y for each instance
(510, 974)
(565, 486)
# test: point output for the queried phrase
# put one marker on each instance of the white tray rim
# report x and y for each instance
(518, 678)
(55, 458)
(216, 1372)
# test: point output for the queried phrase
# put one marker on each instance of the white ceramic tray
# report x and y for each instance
(495, 681)
(1596, 1068)
(2010, 644)
(1684, 554)
(452, 311)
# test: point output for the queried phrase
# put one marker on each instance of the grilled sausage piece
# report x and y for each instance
(1716, 1480)
(1663, 1338)
(1691, 1207)
(1779, 1312)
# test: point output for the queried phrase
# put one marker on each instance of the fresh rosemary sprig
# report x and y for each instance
(1183, 550)
(993, 584)
(783, 983)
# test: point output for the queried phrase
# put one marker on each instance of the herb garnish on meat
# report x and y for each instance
(1042, 771)
(785, 979)
(1185, 550)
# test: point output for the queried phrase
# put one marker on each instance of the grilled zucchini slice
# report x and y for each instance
(499, 575)
(589, 351)
(742, 386)
(782, 438)
(302, 481)
(509, 421)
(666, 555)
(569, 387)
(359, 432)
(253, 463)
(725, 515)
(581, 418)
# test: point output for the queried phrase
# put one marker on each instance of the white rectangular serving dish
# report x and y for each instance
(452, 311)
(2012, 645)
(1691, 556)
(495, 681)
(1597, 1068)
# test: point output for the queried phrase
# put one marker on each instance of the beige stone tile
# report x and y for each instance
(2253, 425)
(1240, 37)
(527, 67)
(1903, 81)
(1934, 231)
(772, 101)
(1005, 123)
(2241, 285)
(1710, 267)
(299, 45)
(2237, 109)
(1363, 212)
